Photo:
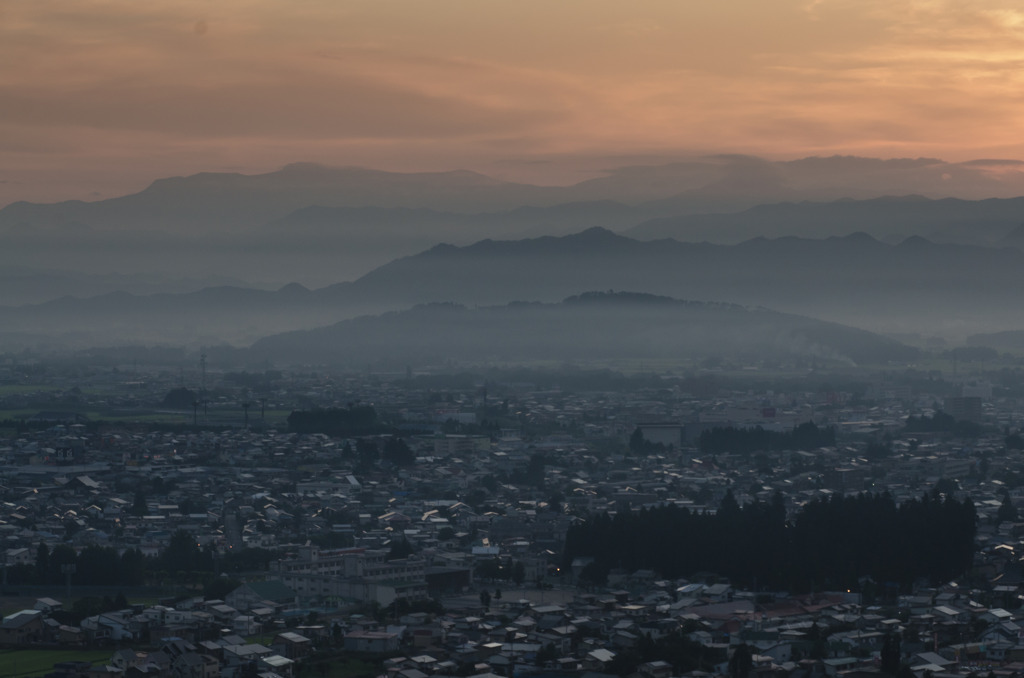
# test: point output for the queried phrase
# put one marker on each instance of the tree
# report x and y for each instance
(42, 563)
(182, 553)
(518, 572)
(139, 507)
(489, 569)
(729, 508)
(835, 542)
(87, 607)
(636, 441)
(400, 548)
(593, 574)
(1007, 512)
(62, 554)
(548, 653)
(188, 506)
(535, 470)
(366, 451)
(475, 497)
(356, 420)
(819, 644)
(877, 450)
(220, 587)
(98, 565)
(132, 568)
(397, 453)
(891, 655)
(741, 662)
(179, 399)
(946, 486)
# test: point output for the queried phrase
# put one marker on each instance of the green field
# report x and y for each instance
(274, 418)
(14, 415)
(19, 389)
(26, 663)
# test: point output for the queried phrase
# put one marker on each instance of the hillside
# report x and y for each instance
(915, 286)
(588, 327)
(892, 219)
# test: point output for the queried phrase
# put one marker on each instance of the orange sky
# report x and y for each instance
(99, 97)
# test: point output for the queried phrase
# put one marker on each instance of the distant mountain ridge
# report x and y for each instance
(318, 225)
(230, 200)
(548, 268)
(914, 286)
(990, 222)
(20, 286)
(732, 183)
(590, 327)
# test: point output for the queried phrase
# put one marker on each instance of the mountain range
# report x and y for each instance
(914, 286)
(596, 326)
(995, 222)
(321, 225)
(722, 183)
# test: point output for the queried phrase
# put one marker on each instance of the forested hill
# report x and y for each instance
(864, 543)
(592, 326)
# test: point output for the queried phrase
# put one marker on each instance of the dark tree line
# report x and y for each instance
(827, 545)
(94, 566)
(683, 654)
(495, 568)
(356, 420)
(640, 446)
(732, 440)
(105, 566)
(397, 452)
(941, 422)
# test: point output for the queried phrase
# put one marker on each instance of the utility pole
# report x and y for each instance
(202, 369)
(202, 385)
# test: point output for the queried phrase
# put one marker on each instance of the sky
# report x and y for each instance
(100, 97)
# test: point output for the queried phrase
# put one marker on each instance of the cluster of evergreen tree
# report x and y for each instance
(827, 545)
(733, 440)
(397, 452)
(496, 568)
(678, 650)
(640, 446)
(184, 554)
(107, 566)
(356, 420)
(942, 422)
(94, 566)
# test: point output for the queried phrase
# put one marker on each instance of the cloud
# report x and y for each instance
(343, 108)
(225, 84)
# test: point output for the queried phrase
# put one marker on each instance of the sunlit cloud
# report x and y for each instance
(196, 85)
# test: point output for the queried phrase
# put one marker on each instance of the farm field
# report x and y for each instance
(32, 663)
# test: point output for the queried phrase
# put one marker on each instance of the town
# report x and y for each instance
(277, 523)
